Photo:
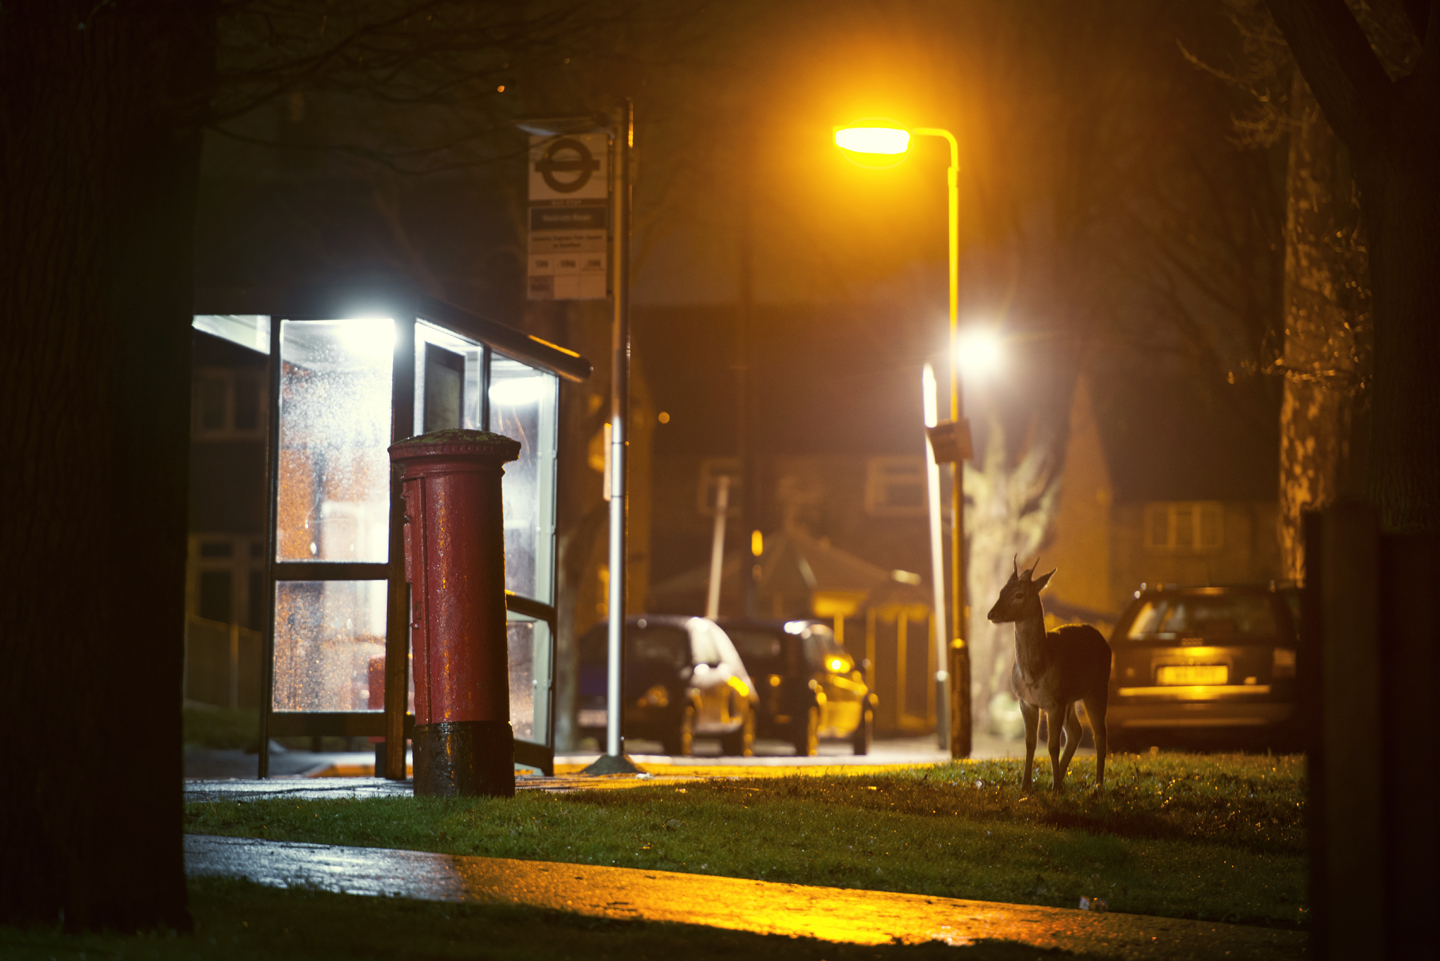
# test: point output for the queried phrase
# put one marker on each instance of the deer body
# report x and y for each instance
(1053, 670)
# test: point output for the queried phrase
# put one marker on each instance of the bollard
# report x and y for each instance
(455, 563)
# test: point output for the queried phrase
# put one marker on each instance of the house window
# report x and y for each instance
(228, 404)
(227, 579)
(1184, 527)
(711, 470)
(895, 487)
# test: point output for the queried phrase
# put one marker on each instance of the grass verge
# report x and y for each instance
(239, 920)
(1210, 838)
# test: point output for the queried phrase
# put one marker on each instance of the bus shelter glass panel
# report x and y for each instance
(449, 370)
(334, 472)
(326, 635)
(529, 646)
(523, 406)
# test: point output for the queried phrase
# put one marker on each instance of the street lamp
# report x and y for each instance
(880, 143)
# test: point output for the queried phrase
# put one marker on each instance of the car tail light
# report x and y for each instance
(657, 696)
(1284, 664)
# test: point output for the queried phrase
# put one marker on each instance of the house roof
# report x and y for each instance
(793, 563)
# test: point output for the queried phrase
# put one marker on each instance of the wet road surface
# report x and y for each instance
(833, 914)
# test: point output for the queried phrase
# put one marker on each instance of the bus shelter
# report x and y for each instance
(351, 373)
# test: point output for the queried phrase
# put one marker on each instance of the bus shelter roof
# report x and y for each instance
(339, 301)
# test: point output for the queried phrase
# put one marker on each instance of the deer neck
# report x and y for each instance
(1029, 639)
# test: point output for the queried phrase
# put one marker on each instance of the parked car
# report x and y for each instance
(1204, 661)
(682, 679)
(809, 685)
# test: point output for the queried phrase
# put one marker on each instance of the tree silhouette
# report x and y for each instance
(1391, 130)
(102, 107)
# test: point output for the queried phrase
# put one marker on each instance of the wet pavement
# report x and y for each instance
(217, 764)
(319, 788)
(214, 776)
(833, 914)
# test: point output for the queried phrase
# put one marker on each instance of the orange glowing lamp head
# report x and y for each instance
(876, 142)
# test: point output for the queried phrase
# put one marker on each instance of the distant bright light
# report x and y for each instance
(879, 140)
(927, 395)
(979, 351)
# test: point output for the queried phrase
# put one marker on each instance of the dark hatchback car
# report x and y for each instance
(1204, 661)
(683, 679)
(809, 685)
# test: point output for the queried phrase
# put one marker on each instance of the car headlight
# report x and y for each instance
(657, 696)
(1284, 663)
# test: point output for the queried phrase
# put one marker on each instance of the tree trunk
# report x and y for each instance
(1327, 315)
(1400, 198)
(1009, 514)
(99, 157)
(1391, 129)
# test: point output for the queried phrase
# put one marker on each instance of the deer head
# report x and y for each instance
(1014, 599)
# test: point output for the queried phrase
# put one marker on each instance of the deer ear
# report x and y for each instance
(1043, 580)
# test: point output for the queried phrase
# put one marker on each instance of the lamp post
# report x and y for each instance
(882, 143)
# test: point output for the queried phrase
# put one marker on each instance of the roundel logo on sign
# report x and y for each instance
(567, 165)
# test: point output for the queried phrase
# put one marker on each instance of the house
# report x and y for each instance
(1165, 482)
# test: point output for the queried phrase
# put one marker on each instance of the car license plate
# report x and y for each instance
(1193, 674)
(592, 717)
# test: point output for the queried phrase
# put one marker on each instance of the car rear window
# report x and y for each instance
(661, 643)
(665, 645)
(762, 651)
(1234, 617)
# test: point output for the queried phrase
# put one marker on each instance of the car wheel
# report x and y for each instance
(807, 733)
(741, 743)
(860, 740)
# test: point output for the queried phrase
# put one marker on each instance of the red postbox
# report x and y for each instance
(455, 563)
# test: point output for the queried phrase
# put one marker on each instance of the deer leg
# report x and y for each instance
(1031, 714)
(1056, 721)
(1095, 710)
(1072, 738)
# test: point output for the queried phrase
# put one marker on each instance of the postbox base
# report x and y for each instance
(464, 759)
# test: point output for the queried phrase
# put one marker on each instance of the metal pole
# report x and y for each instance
(745, 447)
(619, 414)
(937, 563)
(717, 547)
(397, 589)
(960, 734)
(272, 471)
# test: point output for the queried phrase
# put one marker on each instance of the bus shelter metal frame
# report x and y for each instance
(406, 308)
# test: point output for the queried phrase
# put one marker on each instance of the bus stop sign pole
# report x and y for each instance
(614, 760)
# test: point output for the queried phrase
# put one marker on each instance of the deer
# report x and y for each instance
(1053, 670)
